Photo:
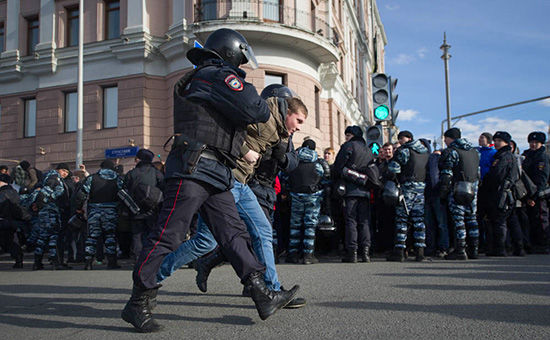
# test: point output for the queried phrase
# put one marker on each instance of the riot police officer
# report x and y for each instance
(537, 167)
(459, 169)
(409, 168)
(212, 107)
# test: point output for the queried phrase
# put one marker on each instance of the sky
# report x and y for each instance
(500, 54)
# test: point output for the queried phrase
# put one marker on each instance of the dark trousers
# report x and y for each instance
(538, 219)
(182, 199)
(357, 222)
(140, 229)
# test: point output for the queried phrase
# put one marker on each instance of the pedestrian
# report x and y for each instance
(383, 215)
(212, 107)
(458, 178)
(354, 155)
(408, 168)
(537, 166)
(101, 190)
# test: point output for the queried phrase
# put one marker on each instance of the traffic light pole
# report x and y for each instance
(446, 56)
(486, 110)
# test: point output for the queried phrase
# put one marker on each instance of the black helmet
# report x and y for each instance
(390, 195)
(277, 90)
(325, 223)
(225, 44)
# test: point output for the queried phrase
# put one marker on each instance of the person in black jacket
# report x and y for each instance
(11, 211)
(145, 173)
(497, 185)
(213, 105)
(355, 155)
(537, 167)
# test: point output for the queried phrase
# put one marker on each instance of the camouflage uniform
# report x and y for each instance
(49, 214)
(413, 193)
(463, 216)
(102, 217)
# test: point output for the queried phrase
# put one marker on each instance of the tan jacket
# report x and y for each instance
(259, 138)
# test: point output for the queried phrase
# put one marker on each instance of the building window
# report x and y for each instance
(32, 34)
(72, 26)
(207, 10)
(272, 10)
(273, 79)
(71, 111)
(30, 118)
(2, 36)
(110, 107)
(317, 107)
(112, 19)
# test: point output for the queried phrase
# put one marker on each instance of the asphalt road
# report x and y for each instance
(490, 298)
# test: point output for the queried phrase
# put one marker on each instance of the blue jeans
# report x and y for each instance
(203, 241)
(436, 224)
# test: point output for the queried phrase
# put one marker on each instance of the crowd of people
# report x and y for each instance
(234, 189)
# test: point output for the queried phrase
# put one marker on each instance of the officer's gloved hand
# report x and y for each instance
(278, 152)
(444, 187)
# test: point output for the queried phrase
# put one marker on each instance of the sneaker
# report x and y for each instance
(310, 259)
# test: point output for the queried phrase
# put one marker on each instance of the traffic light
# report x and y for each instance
(375, 138)
(393, 99)
(381, 97)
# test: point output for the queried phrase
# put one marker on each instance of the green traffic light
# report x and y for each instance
(375, 148)
(381, 112)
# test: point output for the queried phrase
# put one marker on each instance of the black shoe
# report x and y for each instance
(292, 258)
(440, 253)
(309, 258)
(497, 252)
(458, 254)
(267, 301)
(420, 255)
(112, 262)
(37, 263)
(473, 249)
(296, 303)
(204, 266)
(397, 255)
(351, 256)
(88, 265)
(247, 291)
(60, 266)
(138, 310)
(518, 249)
(18, 265)
(364, 256)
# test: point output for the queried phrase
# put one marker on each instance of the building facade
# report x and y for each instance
(134, 53)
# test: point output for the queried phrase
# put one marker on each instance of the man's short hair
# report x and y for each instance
(296, 105)
(387, 144)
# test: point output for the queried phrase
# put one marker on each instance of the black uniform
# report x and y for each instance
(537, 167)
(212, 106)
(355, 155)
(144, 173)
(496, 186)
(10, 212)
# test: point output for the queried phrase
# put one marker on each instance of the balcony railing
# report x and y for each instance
(269, 11)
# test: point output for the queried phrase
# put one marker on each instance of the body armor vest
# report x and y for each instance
(103, 190)
(359, 159)
(200, 122)
(467, 168)
(415, 169)
(305, 179)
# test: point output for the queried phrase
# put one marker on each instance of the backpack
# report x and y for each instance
(147, 197)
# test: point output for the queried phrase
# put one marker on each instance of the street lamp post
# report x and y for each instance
(446, 56)
(80, 87)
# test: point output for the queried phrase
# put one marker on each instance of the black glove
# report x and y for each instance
(444, 187)
(278, 152)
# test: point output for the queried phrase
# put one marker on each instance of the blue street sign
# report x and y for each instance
(197, 45)
(128, 151)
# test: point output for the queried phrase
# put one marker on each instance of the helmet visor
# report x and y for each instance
(249, 55)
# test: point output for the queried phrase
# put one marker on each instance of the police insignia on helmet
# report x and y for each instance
(234, 83)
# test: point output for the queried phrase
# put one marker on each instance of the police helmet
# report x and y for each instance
(325, 223)
(277, 90)
(390, 194)
(225, 44)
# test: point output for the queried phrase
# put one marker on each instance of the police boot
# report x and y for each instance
(204, 266)
(420, 254)
(138, 310)
(37, 265)
(473, 249)
(88, 265)
(459, 253)
(112, 262)
(267, 301)
(397, 255)
(364, 257)
(350, 257)
(59, 266)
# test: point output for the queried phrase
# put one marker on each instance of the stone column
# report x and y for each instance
(12, 30)
(178, 14)
(136, 17)
(47, 25)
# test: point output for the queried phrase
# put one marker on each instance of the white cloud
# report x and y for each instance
(518, 128)
(392, 7)
(421, 52)
(407, 115)
(545, 102)
(403, 59)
